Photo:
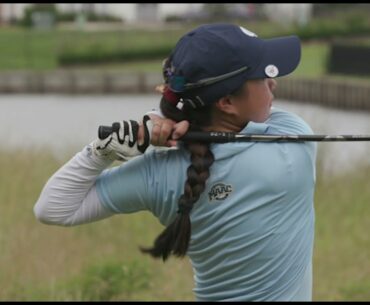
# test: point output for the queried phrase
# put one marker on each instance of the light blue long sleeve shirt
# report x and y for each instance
(253, 226)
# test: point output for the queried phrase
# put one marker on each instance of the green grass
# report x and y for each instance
(342, 246)
(101, 260)
(90, 262)
(28, 49)
(23, 49)
(38, 50)
(313, 60)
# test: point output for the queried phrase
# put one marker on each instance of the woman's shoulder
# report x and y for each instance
(283, 121)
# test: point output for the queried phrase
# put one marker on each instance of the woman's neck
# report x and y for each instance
(225, 123)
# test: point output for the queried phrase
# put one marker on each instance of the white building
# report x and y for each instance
(129, 12)
(11, 11)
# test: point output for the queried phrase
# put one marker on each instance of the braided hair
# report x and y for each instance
(176, 237)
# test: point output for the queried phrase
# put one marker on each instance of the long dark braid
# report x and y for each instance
(176, 237)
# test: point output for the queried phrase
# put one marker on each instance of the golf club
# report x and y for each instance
(226, 137)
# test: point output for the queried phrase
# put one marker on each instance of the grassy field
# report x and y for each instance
(92, 262)
(342, 244)
(23, 48)
(313, 62)
(38, 50)
(101, 261)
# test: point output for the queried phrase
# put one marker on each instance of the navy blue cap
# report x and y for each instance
(214, 60)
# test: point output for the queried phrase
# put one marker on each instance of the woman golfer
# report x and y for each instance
(242, 212)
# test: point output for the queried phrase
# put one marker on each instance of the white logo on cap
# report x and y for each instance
(246, 32)
(271, 71)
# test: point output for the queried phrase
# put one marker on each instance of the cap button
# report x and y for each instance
(271, 71)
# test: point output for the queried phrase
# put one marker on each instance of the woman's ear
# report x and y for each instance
(226, 105)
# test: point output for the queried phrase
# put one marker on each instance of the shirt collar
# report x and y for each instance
(255, 128)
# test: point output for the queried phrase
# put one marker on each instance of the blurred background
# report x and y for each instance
(66, 68)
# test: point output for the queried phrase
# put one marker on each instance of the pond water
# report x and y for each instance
(65, 123)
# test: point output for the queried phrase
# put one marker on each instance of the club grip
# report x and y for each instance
(104, 131)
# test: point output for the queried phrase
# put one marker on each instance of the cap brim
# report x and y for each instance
(280, 57)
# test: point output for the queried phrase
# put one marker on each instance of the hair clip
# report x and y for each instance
(180, 104)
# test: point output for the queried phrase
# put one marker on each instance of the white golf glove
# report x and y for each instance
(122, 144)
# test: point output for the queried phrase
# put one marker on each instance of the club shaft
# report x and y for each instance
(226, 137)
